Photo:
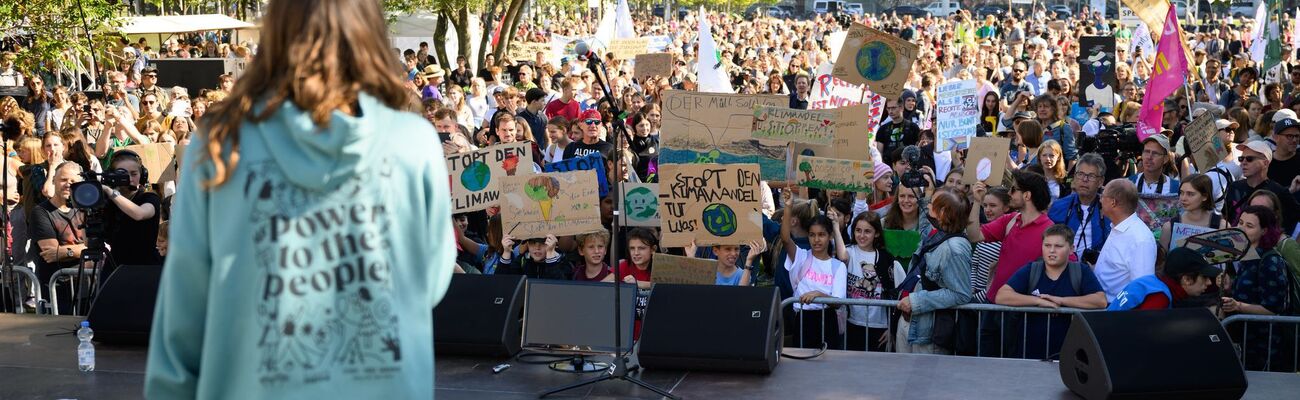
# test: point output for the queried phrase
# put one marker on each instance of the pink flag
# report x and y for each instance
(1168, 72)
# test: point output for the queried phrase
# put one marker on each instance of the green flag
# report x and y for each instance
(1272, 34)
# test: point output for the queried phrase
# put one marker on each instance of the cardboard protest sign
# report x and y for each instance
(683, 270)
(526, 51)
(550, 203)
(476, 175)
(791, 125)
(1221, 246)
(627, 49)
(640, 204)
(831, 92)
(710, 203)
(154, 156)
(1179, 232)
(715, 128)
(957, 113)
(590, 162)
(1206, 146)
(878, 59)
(854, 136)
(988, 157)
(173, 170)
(653, 64)
(1097, 80)
(830, 173)
(1157, 209)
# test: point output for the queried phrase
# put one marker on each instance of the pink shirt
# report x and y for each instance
(1020, 246)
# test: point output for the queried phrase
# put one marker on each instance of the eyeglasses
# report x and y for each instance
(1153, 153)
(1086, 177)
(1247, 159)
(1018, 70)
(592, 122)
(1291, 136)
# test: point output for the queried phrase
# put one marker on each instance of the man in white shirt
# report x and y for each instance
(1130, 250)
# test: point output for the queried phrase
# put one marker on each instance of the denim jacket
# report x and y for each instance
(949, 266)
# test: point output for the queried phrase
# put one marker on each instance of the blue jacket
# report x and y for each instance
(1065, 210)
(1062, 133)
(1137, 291)
(949, 266)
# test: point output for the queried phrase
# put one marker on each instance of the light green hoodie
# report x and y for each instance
(313, 271)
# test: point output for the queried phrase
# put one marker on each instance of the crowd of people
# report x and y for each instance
(1062, 230)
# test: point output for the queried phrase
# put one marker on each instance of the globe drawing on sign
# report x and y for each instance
(476, 176)
(719, 220)
(640, 204)
(875, 61)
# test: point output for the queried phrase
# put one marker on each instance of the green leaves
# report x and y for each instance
(57, 25)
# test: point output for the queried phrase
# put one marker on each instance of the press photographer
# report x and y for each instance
(130, 213)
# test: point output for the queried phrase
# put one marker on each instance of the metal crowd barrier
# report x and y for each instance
(1287, 342)
(22, 284)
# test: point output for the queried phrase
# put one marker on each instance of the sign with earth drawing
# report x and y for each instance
(710, 203)
(835, 174)
(877, 59)
(713, 128)
(640, 204)
(476, 175)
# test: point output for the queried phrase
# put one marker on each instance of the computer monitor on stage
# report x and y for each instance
(577, 317)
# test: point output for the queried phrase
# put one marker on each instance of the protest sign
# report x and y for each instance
(551, 203)
(476, 175)
(1221, 246)
(683, 270)
(902, 243)
(1179, 232)
(830, 173)
(988, 156)
(1097, 80)
(640, 204)
(835, 40)
(653, 64)
(854, 136)
(790, 125)
(153, 156)
(523, 51)
(958, 114)
(710, 203)
(715, 128)
(627, 49)
(658, 43)
(831, 92)
(1157, 209)
(878, 59)
(1207, 147)
(590, 162)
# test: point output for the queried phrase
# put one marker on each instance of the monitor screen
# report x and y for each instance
(577, 316)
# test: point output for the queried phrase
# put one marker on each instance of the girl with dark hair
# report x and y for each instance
(989, 112)
(815, 272)
(870, 276)
(1262, 287)
(1196, 196)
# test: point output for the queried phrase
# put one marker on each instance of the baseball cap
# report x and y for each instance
(1024, 114)
(1182, 261)
(1261, 147)
(589, 114)
(1222, 124)
(1284, 113)
(149, 70)
(1160, 139)
(1285, 124)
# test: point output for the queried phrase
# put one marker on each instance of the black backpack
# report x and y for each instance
(1072, 269)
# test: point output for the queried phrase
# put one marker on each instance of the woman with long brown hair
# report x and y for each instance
(310, 234)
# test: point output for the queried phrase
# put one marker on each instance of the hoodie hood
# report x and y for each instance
(314, 157)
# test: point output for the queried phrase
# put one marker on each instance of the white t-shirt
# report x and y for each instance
(863, 283)
(810, 274)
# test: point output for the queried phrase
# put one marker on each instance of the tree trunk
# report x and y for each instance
(512, 25)
(485, 38)
(461, 24)
(440, 40)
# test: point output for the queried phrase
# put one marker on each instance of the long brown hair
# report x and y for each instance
(318, 54)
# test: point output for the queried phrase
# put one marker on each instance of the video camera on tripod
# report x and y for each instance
(88, 195)
(1119, 143)
(913, 178)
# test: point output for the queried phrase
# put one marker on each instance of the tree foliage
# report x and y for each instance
(43, 29)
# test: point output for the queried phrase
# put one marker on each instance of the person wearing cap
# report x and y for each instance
(149, 85)
(1285, 166)
(433, 75)
(591, 142)
(1157, 165)
(1256, 156)
(1186, 274)
(1226, 170)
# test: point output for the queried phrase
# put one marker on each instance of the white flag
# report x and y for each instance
(1258, 43)
(712, 77)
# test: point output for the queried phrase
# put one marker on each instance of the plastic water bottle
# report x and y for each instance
(85, 350)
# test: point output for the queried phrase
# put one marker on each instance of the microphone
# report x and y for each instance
(583, 49)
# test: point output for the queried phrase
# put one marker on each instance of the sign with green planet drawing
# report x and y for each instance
(709, 203)
(476, 175)
(640, 204)
(551, 203)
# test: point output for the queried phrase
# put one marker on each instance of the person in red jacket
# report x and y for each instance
(1186, 274)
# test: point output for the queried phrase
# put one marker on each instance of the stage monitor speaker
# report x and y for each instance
(480, 315)
(714, 328)
(196, 73)
(123, 310)
(1167, 354)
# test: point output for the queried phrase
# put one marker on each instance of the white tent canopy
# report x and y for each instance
(407, 31)
(182, 24)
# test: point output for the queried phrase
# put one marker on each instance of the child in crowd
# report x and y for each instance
(814, 273)
(641, 246)
(1052, 282)
(870, 276)
(592, 247)
(539, 261)
(729, 272)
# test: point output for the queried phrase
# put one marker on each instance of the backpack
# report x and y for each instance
(1289, 249)
(1072, 269)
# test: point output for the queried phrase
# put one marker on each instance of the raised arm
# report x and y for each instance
(787, 219)
(973, 231)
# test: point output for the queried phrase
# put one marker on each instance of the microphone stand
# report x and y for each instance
(618, 369)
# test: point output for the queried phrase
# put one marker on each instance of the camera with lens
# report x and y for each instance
(913, 178)
(1116, 143)
(89, 193)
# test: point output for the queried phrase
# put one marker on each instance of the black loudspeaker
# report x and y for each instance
(1167, 354)
(480, 315)
(123, 310)
(714, 328)
(196, 73)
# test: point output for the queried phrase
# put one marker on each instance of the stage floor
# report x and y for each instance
(36, 366)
